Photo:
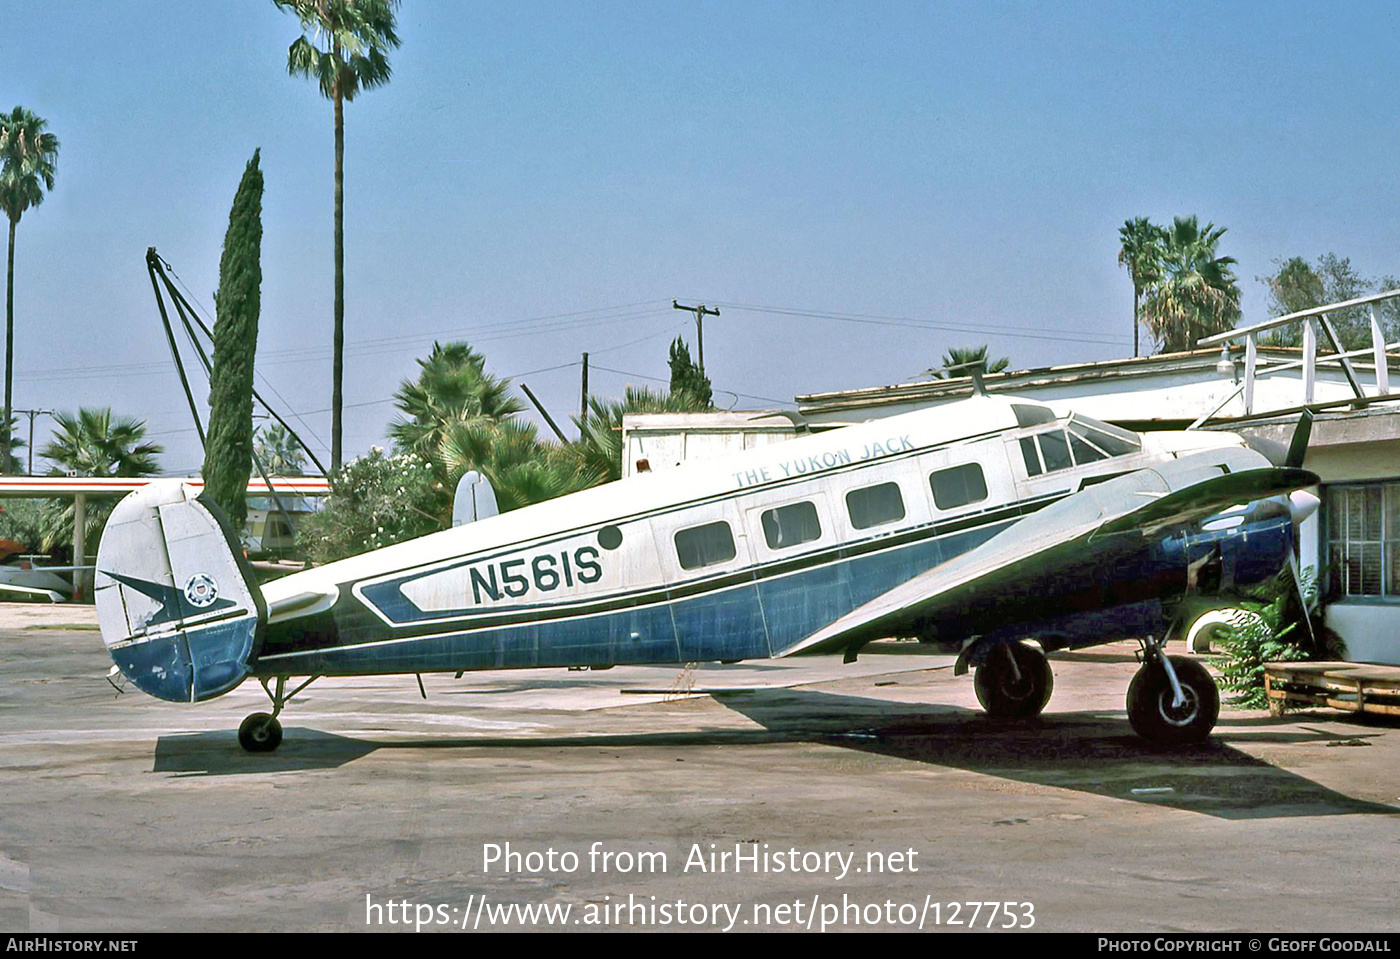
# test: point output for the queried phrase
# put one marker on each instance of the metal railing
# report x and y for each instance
(1315, 321)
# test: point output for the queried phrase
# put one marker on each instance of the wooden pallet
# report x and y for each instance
(1353, 687)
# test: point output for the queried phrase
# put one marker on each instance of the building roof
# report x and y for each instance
(1162, 391)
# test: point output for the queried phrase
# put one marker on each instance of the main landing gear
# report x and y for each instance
(1015, 682)
(1172, 700)
(261, 732)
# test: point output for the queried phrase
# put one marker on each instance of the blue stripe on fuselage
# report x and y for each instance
(753, 620)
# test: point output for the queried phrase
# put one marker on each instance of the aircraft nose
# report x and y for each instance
(1303, 504)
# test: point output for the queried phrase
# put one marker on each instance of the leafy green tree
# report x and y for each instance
(94, 442)
(28, 159)
(343, 47)
(1196, 294)
(1142, 243)
(687, 378)
(452, 385)
(280, 454)
(22, 520)
(960, 355)
(1298, 285)
(228, 451)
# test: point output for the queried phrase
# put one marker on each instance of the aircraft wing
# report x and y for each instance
(1075, 544)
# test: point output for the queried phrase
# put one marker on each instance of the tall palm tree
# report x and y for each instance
(28, 158)
(1141, 252)
(962, 355)
(93, 442)
(1196, 294)
(342, 46)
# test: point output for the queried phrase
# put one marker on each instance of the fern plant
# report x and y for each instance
(1275, 633)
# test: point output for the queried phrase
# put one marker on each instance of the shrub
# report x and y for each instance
(376, 500)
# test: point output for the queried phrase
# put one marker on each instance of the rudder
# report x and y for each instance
(179, 610)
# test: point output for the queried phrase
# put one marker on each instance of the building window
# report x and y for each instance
(1363, 540)
(706, 545)
(958, 486)
(875, 505)
(791, 525)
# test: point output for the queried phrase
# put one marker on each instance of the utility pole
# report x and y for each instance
(700, 312)
(31, 414)
(583, 400)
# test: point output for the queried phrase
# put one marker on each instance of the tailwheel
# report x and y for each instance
(1172, 700)
(260, 733)
(1015, 682)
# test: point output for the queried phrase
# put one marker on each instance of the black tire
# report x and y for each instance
(1150, 700)
(1001, 694)
(260, 733)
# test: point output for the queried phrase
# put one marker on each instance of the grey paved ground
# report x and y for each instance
(119, 813)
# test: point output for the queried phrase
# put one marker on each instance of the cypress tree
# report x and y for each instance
(228, 452)
(686, 378)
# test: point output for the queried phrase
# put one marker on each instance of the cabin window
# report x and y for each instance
(791, 525)
(1363, 540)
(705, 545)
(958, 486)
(875, 505)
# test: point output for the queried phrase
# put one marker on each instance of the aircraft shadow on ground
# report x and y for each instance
(1082, 751)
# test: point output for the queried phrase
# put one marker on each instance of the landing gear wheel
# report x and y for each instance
(260, 733)
(1152, 708)
(1006, 695)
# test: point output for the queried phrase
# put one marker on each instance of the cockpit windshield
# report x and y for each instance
(1079, 441)
(1112, 440)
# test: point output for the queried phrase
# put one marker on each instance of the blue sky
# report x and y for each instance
(541, 179)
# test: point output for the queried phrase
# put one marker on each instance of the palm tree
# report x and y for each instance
(1141, 252)
(28, 158)
(599, 446)
(347, 55)
(963, 355)
(1196, 294)
(94, 443)
(452, 385)
(280, 454)
(17, 446)
(522, 469)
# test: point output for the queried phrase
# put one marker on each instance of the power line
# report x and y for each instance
(875, 319)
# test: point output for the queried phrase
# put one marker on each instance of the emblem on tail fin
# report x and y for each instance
(201, 591)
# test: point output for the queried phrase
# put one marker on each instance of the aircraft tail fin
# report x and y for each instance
(180, 612)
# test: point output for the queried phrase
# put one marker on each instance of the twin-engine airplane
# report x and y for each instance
(977, 527)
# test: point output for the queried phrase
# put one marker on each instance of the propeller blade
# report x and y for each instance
(1299, 447)
(1297, 577)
